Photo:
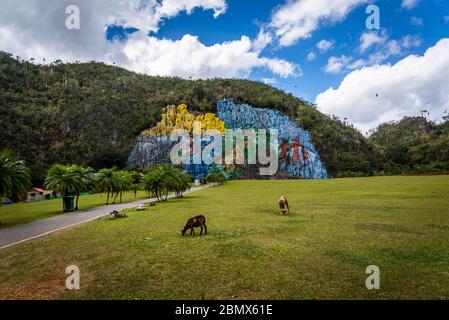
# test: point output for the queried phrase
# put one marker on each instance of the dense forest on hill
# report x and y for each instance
(413, 144)
(91, 113)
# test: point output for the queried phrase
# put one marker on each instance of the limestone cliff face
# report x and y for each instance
(297, 154)
(179, 118)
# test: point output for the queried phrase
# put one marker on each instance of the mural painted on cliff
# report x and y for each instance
(297, 154)
(154, 145)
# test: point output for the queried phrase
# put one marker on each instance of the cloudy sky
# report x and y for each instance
(320, 50)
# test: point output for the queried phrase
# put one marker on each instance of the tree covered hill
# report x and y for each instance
(91, 113)
(413, 144)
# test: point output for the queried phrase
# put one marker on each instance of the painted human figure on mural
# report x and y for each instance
(297, 161)
(306, 155)
(284, 154)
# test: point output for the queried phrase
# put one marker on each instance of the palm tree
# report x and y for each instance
(153, 183)
(169, 178)
(217, 175)
(14, 176)
(216, 178)
(136, 179)
(106, 180)
(62, 179)
(185, 182)
(124, 183)
(84, 178)
(178, 181)
(165, 178)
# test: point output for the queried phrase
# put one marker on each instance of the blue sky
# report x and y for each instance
(319, 50)
(245, 18)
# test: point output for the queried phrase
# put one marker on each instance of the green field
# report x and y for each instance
(31, 211)
(320, 251)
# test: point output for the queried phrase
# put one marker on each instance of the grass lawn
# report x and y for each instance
(320, 251)
(30, 211)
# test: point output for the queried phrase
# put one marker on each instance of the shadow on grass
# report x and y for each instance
(437, 226)
(237, 249)
(275, 212)
(416, 255)
(349, 257)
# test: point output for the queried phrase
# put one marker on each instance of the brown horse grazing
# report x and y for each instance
(283, 205)
(198, 221)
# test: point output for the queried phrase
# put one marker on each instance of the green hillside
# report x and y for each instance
(413, 144)
(91, 113)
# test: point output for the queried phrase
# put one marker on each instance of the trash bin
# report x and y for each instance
(69, 203)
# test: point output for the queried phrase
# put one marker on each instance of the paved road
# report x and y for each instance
(28, 231)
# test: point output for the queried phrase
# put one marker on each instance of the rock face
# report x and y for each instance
(297, 152)
(149, 150)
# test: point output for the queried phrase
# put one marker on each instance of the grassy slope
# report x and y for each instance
(31, 211)
(321, 250)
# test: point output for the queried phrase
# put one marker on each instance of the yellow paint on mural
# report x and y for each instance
(180, 118)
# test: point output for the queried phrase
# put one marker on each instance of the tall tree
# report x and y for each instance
(14, 176)
(84, 180)
(62, 179)
(153, 182)
(165, 178)
(124, 183)
(107, 181)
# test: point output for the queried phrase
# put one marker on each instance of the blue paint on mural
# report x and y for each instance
(152, 150)
(297, 152)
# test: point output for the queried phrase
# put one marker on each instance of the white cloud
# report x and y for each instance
(171, 8)
(147, 15)
(325, 45)
(369, 39)
(410, 41)
(415, 21)
(188, 57)
(402, 90)
(385, 49)
(336, 65)
(311, 56)
(391, 48)
(269, 81)
(409, 4)
(36, 29)
(263, 39)
(297, 19)
(357, 64)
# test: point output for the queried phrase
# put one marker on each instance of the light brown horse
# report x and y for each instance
(283, 205)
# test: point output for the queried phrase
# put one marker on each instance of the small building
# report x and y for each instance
(36, 194)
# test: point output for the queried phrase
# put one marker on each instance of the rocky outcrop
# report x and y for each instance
(297, 154)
